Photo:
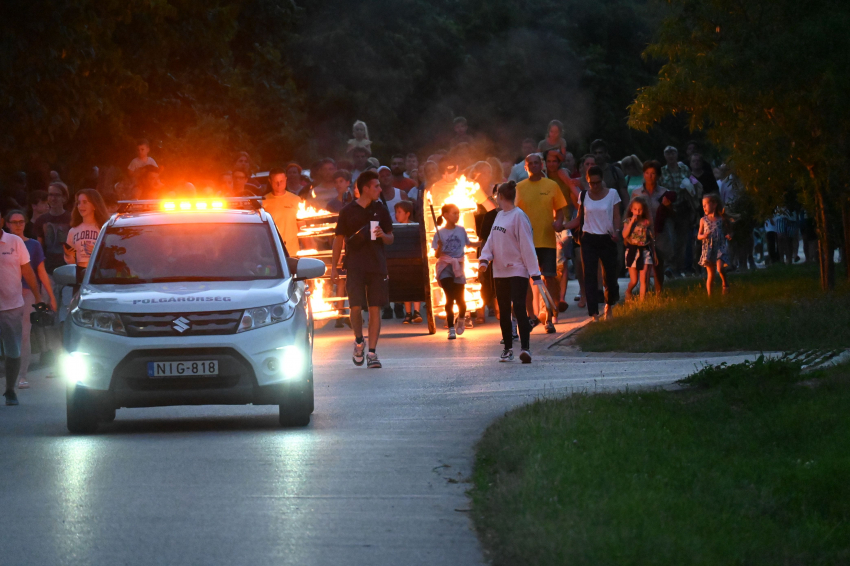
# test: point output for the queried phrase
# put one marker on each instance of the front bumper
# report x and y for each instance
(254, 367)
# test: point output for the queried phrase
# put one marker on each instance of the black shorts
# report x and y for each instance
(367, 289)
(547, 260)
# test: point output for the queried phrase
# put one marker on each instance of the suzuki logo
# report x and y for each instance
(181, 325)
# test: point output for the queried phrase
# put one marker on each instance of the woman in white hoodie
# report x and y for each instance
(509, 252)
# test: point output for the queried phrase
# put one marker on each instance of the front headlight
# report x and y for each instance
(75, 367)
(98, 320)
(264, 316)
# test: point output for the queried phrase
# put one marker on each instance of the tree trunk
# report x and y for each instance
(825, 251)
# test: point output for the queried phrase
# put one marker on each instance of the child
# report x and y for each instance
(450, 243)
(714, 235)
(403, 212)
(361, 137)
(143, 148)
(637, 236)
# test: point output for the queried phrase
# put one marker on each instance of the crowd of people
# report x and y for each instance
(544, 217)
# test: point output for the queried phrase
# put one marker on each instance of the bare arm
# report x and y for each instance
(339, 240)
(627, 227)
(617, 221)
(45, 282)
(29, 276)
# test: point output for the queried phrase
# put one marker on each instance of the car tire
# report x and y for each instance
(298, 407)
(81, 411)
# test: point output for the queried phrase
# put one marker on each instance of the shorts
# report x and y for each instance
(367, 288)
(547, 259)
(638, 257)
(12, 331)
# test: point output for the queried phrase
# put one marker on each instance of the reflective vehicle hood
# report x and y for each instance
(184, 297)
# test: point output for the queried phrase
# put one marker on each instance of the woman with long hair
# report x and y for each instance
(87, 218)
(509, 253)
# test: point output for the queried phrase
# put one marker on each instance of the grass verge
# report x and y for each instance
(749, 465)
(777, 309)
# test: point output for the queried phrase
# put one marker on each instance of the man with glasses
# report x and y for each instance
(51, 230)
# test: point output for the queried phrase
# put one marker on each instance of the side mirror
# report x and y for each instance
(309, 268)
(65, 275)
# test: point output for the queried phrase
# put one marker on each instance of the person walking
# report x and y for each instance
(714, 235)
(87, 218)
(510, 254)
(637, 237)
(543, 202)
(364, 227)
(16, 221)
(449, 243)
(14, 268)
(599, 214)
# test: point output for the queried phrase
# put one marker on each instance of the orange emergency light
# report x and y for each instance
(189, 205)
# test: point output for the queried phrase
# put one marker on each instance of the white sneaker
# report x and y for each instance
(459, 326)
(507, 356)
(525, 357)
(452, 334)
(357, 357)
(23, 384)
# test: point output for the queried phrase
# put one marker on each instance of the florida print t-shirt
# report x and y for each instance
(82, 238)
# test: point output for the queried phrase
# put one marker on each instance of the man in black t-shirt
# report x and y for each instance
(364, 226)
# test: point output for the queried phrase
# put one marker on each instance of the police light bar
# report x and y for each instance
(190, 204)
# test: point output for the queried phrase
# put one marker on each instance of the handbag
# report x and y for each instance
(42, 316)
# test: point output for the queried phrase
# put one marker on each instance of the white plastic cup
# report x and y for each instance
(374, 224)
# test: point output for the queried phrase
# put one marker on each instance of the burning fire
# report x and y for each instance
(322, 309)
(306, 252)
(462, 195)
(305, 211)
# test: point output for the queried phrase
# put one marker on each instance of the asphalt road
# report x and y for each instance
(377, 478)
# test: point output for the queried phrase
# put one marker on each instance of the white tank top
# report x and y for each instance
(392, 202)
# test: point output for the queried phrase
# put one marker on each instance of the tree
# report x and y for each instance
(765, 80)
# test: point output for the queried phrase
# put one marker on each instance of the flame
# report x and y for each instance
(305, 211)
(322, 309)
(306, 252)
(462, 195)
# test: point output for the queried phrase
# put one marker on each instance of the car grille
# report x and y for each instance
(171, 324)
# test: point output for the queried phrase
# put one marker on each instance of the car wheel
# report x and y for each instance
(81, 411)
(296, 410)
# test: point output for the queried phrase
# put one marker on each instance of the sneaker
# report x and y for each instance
(467, 322)
(407, 319)
(525, 357)
(399, 310)
(357, 358)
(533, 321)
(372, 361)
(550, 327)
(23, 384)
(459, 326)
(11, 398)
(387, 313)
(452, 334)
(417, 318)
(507, 356)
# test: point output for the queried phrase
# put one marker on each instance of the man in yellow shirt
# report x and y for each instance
(544, 204)
(282, 205)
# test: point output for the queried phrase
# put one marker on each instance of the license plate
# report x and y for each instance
(183, 369)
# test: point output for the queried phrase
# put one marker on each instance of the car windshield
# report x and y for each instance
(186, 252)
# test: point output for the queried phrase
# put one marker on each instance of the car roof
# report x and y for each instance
(157, 218)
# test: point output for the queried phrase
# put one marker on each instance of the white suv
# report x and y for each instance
(189, 302)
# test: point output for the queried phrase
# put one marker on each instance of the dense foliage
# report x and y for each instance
(766, 79)
(80, 79)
